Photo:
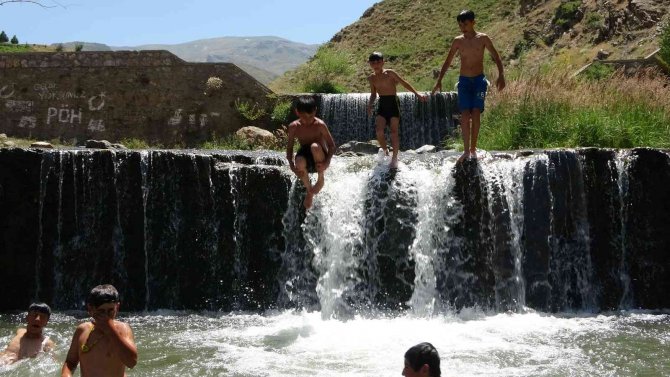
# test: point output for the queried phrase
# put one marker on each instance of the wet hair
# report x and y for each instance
(102, 294)
(376, 56)
(421, 354)
(305, 104)
(40, 307)
(465, 15)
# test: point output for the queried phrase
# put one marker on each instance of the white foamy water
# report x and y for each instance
(303, 344)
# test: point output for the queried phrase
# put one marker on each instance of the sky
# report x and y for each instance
(138, 22)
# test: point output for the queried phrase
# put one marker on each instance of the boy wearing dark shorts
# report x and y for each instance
(384, 82)
(472, 84)
(316, 147)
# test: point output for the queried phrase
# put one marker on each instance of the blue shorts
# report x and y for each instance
(472, 92)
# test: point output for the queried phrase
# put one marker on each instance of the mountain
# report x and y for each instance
(529, 34)
(265, 58)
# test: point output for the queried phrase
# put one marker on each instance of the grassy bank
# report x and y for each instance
(551, 110)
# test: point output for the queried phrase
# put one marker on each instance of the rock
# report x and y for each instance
(98, 144)
(357, 147)
(349, 154)
(426, 149)
(3, 137)
(255, 135)
(41, 144)
(119, 146)
(7, 144)
(603, 54)
(525, 153)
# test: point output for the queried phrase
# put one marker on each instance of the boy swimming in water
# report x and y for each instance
(384, 82)
(29, 341)
(316, 146)
(422, 360)
(104, 347)
(472, 83)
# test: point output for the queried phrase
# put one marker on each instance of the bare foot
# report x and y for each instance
(464, 156)
(473, 155)
(318, 185)
(394, 163)
(309, 198)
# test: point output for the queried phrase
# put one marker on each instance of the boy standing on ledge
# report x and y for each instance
(316, 147)
(384, 82)
(472, 83)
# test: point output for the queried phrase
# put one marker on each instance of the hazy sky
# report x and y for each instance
(136, 22)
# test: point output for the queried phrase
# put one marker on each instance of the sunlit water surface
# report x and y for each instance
(303, 344)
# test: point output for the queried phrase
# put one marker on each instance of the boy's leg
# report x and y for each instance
(474, 135)
(301, 172)
(319, 157)
(380, 125)
(466, 116)
(395, 141)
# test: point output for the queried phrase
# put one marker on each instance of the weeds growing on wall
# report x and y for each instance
(620, 112)
(281, 112)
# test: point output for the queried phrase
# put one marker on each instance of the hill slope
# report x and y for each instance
(529, 34)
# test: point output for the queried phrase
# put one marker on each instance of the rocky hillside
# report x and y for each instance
(529, 34)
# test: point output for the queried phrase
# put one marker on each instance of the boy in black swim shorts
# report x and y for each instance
(384, 82)
(316, 146)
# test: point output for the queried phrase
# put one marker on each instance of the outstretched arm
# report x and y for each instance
(446, 65)
(500, 82)
(407, 85)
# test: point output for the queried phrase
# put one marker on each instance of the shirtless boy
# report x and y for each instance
(472, 83)
(104, 347)
(384, 82)
(316, 147)
(29, 341)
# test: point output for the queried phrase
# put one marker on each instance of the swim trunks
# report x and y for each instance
(305, 152)
(472, 92)
(388, 108)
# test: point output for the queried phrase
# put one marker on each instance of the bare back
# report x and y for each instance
(384, 83)
(471, 50)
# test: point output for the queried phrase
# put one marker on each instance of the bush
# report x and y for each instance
(78, 47)
(323, 87)
(281, 112)
(249, 111)
(14, 40)
(665, 43)
(566, 13)
(323, 69)
(213, 85)
(598, 71)
(3, 37)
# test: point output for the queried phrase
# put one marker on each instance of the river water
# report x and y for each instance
(303, 344)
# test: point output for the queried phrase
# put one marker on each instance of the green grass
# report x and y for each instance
(7, 47)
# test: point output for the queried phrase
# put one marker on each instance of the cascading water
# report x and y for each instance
(421, 123)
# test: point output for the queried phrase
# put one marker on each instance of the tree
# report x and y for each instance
(78, 46)
(3, 37)
(15, 40)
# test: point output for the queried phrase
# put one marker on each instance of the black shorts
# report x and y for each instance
(305, 152)
(388, 108)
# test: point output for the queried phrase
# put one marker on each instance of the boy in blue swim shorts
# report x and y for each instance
(472, 84)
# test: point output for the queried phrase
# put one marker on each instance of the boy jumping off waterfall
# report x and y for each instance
(384, 82)
(316, 146)
(472, 83)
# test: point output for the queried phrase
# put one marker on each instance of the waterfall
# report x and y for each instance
(421, 123)
(553, 231)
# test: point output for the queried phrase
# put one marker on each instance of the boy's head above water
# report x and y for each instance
(305, 109)
(103, 296)
(37, 318)
(422, 360)
(466, 20)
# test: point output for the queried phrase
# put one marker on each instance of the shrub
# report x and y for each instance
(249, 111)
(323, 69)
(14, 40)
(665, 43)
(3, 37)
(566, 13)
(78, 47)
(59, 47)
(213, 85)
(598, 71)
(281, 112)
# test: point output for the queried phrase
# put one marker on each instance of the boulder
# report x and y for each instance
(98, 144)
(358, 147)
(255, 135)
(41, 144)
(3, 137)
(602, 55)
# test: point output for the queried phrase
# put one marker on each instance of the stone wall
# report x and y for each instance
(149, 95)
